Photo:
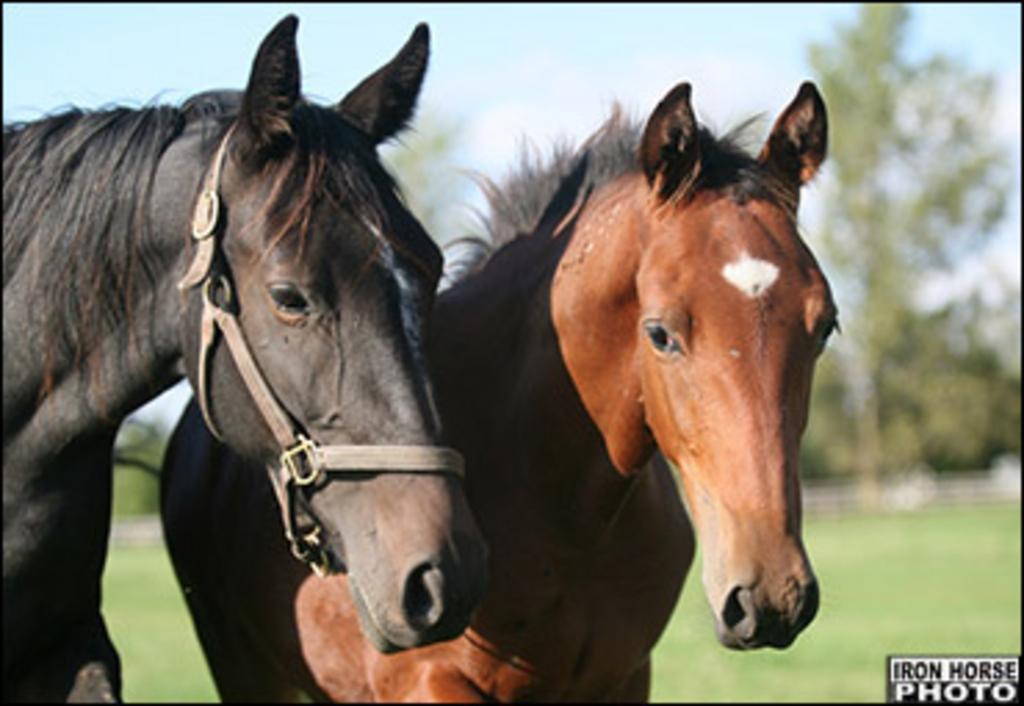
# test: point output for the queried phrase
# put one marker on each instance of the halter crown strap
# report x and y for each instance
(206, 218)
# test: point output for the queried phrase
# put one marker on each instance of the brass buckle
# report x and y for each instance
(305, 447)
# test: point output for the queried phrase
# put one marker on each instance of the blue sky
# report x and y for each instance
(500, 72)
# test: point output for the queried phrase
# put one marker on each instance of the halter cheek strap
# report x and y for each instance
(303, 461)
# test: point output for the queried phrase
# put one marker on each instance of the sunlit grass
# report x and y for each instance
(937, 582)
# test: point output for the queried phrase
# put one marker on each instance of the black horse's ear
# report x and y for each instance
(797, 143)
(670, 148)
(385, 101)
(273, 90)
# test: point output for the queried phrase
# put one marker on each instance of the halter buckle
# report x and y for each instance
(307, 448)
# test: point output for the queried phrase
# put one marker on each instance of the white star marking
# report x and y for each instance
(751, 276)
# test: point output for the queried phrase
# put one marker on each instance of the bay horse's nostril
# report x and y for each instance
(809, 605)
(743, 625)
(738, 616)
(423, 600)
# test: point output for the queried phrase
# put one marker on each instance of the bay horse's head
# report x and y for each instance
(307, 290)
(703, 314)
(733, 313)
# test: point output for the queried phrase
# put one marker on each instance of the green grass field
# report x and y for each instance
(936, 582)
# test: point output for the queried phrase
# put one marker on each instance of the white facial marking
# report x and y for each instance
(409, 303)
(406, 290)
(751, 276)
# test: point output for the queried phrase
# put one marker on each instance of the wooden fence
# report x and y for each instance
(916, 489)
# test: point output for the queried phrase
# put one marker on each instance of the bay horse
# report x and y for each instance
(648, 296)
(296, 309)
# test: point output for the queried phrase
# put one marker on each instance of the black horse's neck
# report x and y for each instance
(95, 234)
(91, 307)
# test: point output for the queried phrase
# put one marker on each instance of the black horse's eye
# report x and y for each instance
(289, 300)
(661, 339)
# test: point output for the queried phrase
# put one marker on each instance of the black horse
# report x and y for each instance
(295, 309)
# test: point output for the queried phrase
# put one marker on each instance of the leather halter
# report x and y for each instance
(303, 461)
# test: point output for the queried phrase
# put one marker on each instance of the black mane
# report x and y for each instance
(77, 188)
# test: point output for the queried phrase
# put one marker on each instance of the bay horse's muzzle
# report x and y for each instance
(749, 618)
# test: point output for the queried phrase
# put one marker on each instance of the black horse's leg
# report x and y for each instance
(83, 667)
(56, 526)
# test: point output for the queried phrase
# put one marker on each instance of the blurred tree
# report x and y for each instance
(917, 182)
(948, 398)
(423, 161)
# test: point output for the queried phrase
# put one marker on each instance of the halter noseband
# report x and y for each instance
(303, 461)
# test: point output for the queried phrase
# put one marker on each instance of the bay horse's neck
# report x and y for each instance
(511, 341)
(595, 313)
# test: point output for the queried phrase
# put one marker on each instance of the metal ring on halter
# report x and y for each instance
(310, 550)
(223, 284)
(206, 214)
(321, 563)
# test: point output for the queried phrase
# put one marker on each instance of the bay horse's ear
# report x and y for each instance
(384, 102)
(273, 90)
(796, 146)
(670, 149)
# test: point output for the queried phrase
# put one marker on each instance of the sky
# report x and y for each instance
(501, 72)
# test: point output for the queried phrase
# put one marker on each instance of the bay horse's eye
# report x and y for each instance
(288, 299)
(826, 332)
(663, 341)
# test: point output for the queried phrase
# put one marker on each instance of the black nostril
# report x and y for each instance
(733, 612)
(739, 621)
(745, 626)
(423, 600)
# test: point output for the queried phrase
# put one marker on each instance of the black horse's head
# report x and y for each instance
(306, 298)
